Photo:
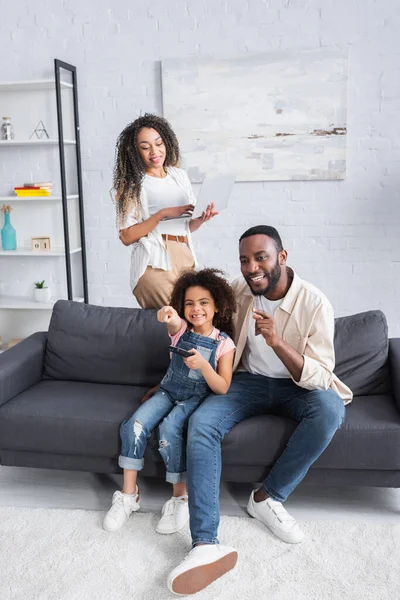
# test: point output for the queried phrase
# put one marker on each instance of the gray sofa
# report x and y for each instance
(64, 393)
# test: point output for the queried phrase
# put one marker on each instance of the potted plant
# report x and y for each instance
(41, 293)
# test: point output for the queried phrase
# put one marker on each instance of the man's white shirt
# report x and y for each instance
(258, 358)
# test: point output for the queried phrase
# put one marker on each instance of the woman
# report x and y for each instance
(152, 196)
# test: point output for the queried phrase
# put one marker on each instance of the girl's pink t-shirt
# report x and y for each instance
(224, 346)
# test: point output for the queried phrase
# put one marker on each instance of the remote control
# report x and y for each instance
(180, 351)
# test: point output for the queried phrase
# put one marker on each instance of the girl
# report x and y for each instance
(199, 320)
(152, 194)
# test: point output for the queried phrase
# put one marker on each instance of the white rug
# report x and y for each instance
(48, 554)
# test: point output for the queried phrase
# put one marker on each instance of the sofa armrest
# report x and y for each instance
(22, 366)
(394, 361)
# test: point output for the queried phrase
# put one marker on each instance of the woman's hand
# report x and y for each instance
(207, 214)
(176, 211)
(166, 314)
(197, 361)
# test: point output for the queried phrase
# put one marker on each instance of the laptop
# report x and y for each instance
(215, 188)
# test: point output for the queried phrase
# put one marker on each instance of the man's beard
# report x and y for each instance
(273, 280)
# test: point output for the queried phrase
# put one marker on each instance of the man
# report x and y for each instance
(284, 333)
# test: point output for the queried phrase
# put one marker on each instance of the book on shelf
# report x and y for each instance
(34, 189)
(31, 192)
(41, 186)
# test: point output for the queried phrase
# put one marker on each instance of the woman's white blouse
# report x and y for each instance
(150, 250)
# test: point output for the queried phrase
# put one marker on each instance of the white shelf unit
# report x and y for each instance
(26, 303)
(30, 252)
(60, 216)
(44, 142)
(36, 198)
(36, 84)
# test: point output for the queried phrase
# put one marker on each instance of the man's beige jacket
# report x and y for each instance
(305, 321)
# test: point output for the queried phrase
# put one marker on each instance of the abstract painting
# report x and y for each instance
(276, 116)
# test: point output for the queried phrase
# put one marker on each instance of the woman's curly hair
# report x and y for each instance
(129, 168)
(222, 293)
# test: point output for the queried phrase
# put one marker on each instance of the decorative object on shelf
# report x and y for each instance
(7, 130)
(34, 189)
(41, 293)
(40, 131)
(41, 244)
(8, 234)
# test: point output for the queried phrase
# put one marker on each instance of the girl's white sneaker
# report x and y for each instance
(123, 505)
(174, 515)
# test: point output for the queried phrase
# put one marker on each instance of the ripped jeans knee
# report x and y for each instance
(134, 441)
(164, 448)
(172, 449)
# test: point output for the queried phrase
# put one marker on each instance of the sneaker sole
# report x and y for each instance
(196, 579)
(281, 535)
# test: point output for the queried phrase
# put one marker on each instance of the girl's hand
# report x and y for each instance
(166, 314)
(197, 361)
(177, 211)
(209, 213)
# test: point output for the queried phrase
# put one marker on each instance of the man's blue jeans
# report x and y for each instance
(319, 414)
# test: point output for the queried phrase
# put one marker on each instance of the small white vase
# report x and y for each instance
(41, 294)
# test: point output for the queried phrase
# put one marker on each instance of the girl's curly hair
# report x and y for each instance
(129, 169)
(213, 281)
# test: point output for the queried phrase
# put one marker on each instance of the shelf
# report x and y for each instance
(38, 84)
(67, 258)
(29, 252)
(45, 142)
(35, 198)
(26, 303)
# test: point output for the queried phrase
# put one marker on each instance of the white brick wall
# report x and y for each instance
(342, 236)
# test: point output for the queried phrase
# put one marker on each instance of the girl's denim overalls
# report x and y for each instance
(182, 390)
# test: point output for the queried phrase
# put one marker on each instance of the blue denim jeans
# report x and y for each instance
(319, 414)
(171, 416)
(181, 392)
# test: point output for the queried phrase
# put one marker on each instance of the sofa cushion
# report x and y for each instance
(68, 417)
(368, 439)
(361, 348)
(105, 345)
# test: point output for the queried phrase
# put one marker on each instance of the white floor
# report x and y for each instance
(70, 489)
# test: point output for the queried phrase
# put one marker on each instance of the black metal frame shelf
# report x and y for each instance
(58, 66)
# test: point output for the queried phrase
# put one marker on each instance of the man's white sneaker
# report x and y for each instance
(203, 565)
(276, 518)
(121, 508)
(175, 515)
